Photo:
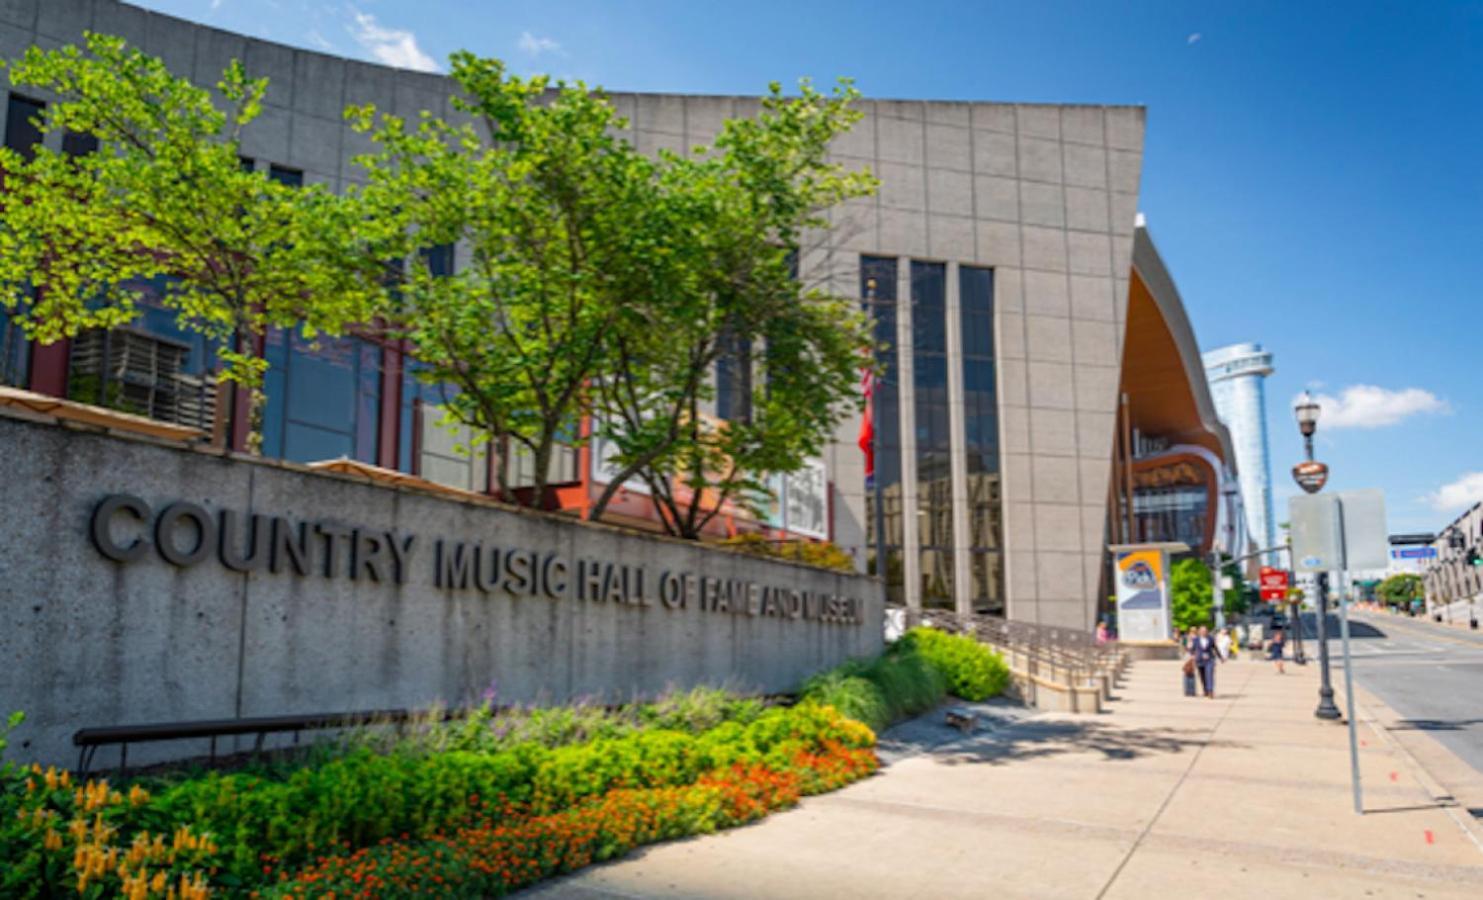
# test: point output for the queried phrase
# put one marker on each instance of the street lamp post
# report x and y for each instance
(1306, 411)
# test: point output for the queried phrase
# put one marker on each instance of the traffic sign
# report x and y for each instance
(1274, 584)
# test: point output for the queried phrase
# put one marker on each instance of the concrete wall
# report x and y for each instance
(1044, 194)
(89, 641)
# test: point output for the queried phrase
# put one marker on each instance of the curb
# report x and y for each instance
(1365, 704)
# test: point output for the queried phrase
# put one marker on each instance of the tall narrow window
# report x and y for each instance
(934, 439)
(21, 135)
(981, 432)
(734, 378)
(883, 496)
(77, 144)
(22, 125)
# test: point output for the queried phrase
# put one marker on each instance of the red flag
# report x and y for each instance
(867, 425)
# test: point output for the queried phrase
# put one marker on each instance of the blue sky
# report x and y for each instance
(1312, 171)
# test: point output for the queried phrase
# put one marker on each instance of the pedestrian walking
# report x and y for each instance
(1205, 653)
(1223, 643)
(1274, 651)
(1102, 635)
(1187, 668)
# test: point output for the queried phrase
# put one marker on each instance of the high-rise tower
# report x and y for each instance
(1235, 374)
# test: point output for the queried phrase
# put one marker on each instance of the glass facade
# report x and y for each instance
(933, 431)
(323, 398)
(883, 497)
(21, 135)
(21, 131)
(981, 438)
(734, 378)
(1171, 502)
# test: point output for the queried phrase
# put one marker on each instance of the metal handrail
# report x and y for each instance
(1069, 652)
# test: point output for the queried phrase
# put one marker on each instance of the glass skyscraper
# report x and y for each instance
(1235, 374)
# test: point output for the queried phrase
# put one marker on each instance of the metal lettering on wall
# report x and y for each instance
(125, 528)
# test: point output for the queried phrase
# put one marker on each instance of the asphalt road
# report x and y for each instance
(1429, 674)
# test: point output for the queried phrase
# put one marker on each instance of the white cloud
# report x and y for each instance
(1460, 494)
(391, 46)
(1368, 406)
(1194, 38)
(535, 46)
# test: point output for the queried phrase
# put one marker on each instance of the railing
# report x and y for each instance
(1063, 655)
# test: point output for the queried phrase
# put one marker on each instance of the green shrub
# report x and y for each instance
(853, 695)
(972, 671)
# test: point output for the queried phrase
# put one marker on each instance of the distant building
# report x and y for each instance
(1235, 374)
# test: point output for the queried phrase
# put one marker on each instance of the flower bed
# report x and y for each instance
(447, 814)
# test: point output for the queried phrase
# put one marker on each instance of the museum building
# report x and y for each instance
(1041, 391)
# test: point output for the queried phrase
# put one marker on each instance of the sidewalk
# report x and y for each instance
(1248, 794)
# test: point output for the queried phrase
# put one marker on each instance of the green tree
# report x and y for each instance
(1400, 589)
(1190, 594)
(557, 216)
(729, 292)
(166, 194)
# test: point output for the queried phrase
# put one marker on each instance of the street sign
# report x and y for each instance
(1317, 535)
(1311, 475)
(1274, 584)
(1365, 537)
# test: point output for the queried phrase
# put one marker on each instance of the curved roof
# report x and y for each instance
(1163, 374)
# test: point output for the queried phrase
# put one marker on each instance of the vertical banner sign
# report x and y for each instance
(1142, 595)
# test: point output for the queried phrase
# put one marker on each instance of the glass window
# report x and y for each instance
(439, 259)
(883, 493)
(14, 352)
(22, 131)
(933, 431)
(981, 438)
(734, 379)
(285, 175)
(74, 144)
(323, 398)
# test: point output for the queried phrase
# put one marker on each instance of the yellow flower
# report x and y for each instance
(138, 796)
(53, 840)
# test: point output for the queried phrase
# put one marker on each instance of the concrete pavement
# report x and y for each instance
(1246, 795)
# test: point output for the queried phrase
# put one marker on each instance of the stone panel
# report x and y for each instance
(1009, 331)
(172, 40)
(998, 243)
(1090, 254)
(20, 13)
(319, 86)
(949, 112)
(1096, 387)
(1014, 429)
(1125, 128)
(1040, 160)
(127, 22)
(1042, 204)
(1014, 378)
(65, 20)
(1045, 248)
(1060, 576)
(1046, 294)
(902, 186)
(903, 233)
(1081, 125)
(1051, 387)
(1052, 431)
(994, 117)
(950, 192)
(899, 140)
(995, 154)
(660, 113)
(1023, 584)
(1091, 298)
(1009, 292)
(996, 198)
(1048, 339)
(1085, 166)
(1055, 480)
(1057, 527)
(1094, 432)
(1086, 209)
(274, 62)
(1019, 520)
(1124, 212)
(1125, 167)
(1039, 121)
(1095, 343)
(949, 147)
(951, 238)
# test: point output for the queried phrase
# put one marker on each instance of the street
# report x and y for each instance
(1432, 676)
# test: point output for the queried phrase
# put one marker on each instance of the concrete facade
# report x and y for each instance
(86, 640)
(1044, 195)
